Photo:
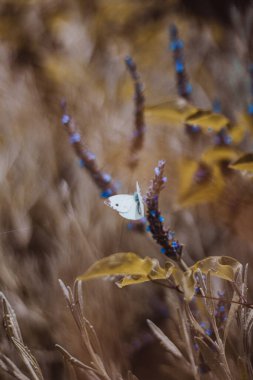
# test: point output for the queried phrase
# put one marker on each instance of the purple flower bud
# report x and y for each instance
(90, 156)
(107, 178)
(157, 171)
(74, 138)
(65, 119)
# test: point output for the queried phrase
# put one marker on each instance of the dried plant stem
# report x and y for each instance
(88, 335)
(87, 158)
(164, 237)
(139, 123)
(176, 46)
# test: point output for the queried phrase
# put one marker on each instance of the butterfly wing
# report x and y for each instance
(140, 203)
(128, 206)
(121, 203)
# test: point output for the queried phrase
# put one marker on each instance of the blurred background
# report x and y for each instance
(53, 222)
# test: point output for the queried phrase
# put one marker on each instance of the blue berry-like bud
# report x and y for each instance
(188, 88)
(203, 324)
(196, 346)
(163, 250)
(208, 332)
(228, 140)
(153, 213)
(217, 106)
(130, 226)
(161, 219)
(250, 109)
(174, 244)
(195, 128)
(65, 119)
(128, 60)
(179, 66)
(176, 45)
(164, 179)
(74, 138)
(106, 193)
(81, 163)
(148, 228)
(222, 309)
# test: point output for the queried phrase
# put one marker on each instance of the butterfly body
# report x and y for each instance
(128, 206)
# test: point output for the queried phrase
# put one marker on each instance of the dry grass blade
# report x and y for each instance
(10, 320)
(165, 341)
(187, 339)
(199, 277)
(231, 315)
(247, 329)
(64, 291)
(212, 359)
(78, 294)
(91, 343)
(74, 361)
(211, 308)
(8, 366)
(78, 298)
(29, 360)
(222, 353)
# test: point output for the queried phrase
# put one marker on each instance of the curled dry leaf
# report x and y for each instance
(131, 267)
(244, 163)
(174, 111)
(134, 270)
(208, 121)
(218, 154)
(224, 267)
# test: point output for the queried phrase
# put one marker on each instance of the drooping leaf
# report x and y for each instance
(199, 183)
(244, 163)
(131, 267)
(174, 111)
(208, 121)
(237, 133)
(246, 121)
(186, 281)
(218, 154)
(224, 267)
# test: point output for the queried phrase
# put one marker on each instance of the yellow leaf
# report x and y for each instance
(173, 111)
(199, 183)
(208, 121)
(186, 281)
(237, 133)
(224, 267)
(244, 163)
(246, 121)
(218, 154)
(131, 267)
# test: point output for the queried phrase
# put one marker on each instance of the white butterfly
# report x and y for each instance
(128, 206)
